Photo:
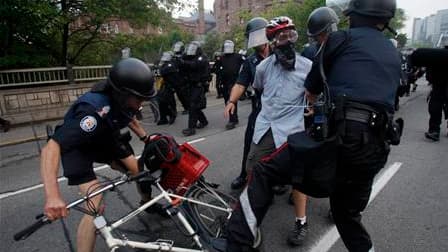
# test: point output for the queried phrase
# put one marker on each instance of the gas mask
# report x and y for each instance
(284, 48)
(286, 55)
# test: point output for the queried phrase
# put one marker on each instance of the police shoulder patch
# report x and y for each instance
(88, 123)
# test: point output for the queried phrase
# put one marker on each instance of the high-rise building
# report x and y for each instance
(428, 30)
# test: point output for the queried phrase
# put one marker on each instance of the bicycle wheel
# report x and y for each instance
(209, 219)
(212, 221)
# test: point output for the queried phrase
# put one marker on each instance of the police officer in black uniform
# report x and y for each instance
(229, 66)
(167, 103)
(197, 72)
(217, 70)
(355, 62)
(256, 38)
(91, 133)
(182, 89)
(438, 101)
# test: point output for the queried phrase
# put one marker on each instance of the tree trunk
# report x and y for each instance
(65, 31)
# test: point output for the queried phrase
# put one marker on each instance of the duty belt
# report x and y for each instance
(366, 114)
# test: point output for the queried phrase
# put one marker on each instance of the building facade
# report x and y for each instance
(227, 12)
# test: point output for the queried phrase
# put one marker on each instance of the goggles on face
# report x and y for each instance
(286, 36)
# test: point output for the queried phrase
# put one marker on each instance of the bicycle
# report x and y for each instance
(202, 210)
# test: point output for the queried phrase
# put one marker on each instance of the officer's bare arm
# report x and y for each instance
(49, 167)
(137, 128)
(237, 91)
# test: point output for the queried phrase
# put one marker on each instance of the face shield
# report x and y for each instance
(339, 6)
(166, 56)
(228, 47)
(178, 47)
(257, 38)
(191, 49)
(285, 37)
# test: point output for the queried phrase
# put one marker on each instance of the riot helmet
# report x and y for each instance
(166, 56)
(323, 19)
(228, 47)
(178, 48)
(193, 49)
(256, 32)
(132, 76)
(382, 9)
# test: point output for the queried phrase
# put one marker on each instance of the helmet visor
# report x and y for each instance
(177, 47)
(228, 47)
(257, 38)
(286, 36)
(191, 49)
(166, 57)
(339, 6)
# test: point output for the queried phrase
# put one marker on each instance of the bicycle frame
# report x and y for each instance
(159, 245)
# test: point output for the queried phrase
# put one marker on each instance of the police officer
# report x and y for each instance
(438, 78)
(217, 70)
(182, 89)
(91, 133)
(321, 22)
(355, 62)
(256, 38)
(230, 65)
(167, 103)
(197, 72)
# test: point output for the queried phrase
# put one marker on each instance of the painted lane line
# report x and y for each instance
(327, 241)
(98, 168)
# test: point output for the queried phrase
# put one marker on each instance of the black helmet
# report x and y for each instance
(322, 19)
(132, 76)
(384, 9)
(256, 32)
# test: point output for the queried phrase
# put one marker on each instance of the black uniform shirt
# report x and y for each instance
(360, 63)
(247, 72)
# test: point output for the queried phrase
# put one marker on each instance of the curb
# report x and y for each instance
(23, 140)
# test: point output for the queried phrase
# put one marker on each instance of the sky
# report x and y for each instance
(413, 9)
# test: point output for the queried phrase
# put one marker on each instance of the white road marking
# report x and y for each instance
(327, 241)
(98, 168)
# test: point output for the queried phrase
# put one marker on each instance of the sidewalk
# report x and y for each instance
(24, 133)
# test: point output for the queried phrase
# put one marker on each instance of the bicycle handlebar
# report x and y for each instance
(42, 220)
(22, 235)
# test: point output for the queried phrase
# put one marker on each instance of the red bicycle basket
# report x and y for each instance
(179, 176)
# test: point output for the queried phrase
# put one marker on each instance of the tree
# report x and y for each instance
(63, 29)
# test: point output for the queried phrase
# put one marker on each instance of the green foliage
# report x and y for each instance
(49, 31)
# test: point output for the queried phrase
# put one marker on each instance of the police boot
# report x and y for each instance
(238, 183)
(434, 136)
(162, 121)
(172, 120)
(230, 125)
(188, 132)
(202, 125)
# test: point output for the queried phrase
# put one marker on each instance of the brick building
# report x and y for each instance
(227, 11)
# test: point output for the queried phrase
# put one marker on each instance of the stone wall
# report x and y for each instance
(23, 105)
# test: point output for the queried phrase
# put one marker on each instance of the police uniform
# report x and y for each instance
(230, 66)
(246, 78)
(182, 89)
(197, 76)
(436, 75)
(91, 133)
(217, 70)
(170, 74)
(310, 51)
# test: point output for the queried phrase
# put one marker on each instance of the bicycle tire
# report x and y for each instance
(213, 226)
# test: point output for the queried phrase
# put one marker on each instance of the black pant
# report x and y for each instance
(197, 103)
(183, 93)
(219, 87)
(226, 93)
(360, 157)
(439, 97)
(248, 136)
(167, 103)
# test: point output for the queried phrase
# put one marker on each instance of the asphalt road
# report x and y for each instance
(408, 213)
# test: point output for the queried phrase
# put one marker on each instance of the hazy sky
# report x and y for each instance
(413, 9)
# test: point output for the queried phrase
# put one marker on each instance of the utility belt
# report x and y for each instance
(378, 120)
